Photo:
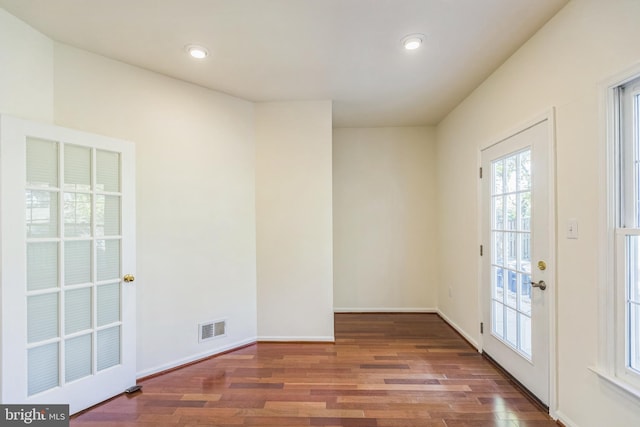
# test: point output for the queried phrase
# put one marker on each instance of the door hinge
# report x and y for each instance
(481, 327)
(480, 173)
(481, 250)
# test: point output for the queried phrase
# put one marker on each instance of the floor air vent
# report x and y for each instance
(210, 330)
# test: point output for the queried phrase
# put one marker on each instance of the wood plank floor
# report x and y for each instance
(402, 370)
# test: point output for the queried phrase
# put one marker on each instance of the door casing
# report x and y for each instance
(549, 116)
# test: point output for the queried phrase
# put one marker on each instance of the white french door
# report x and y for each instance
(516, 267)
(68, 258)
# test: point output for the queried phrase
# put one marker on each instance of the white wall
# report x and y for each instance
(384, 213)
(294, 221)
(195, 199)
(196, 188)
(26, 70)
(561, 66)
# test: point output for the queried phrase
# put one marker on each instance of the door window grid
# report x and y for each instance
(66, 343)
(510, 255)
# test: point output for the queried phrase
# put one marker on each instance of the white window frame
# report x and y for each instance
(619, 154)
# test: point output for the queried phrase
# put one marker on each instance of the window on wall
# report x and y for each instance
(624, 295)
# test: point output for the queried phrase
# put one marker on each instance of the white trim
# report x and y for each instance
(549, 116)
(195, 358)
(479, 271)
(515, 130)
(606, 366)
(444, 317)
(461, 331)
(384, 310)
(276, 338)
(606, 325)
(553, 253)
(564, 419)
(614, 380)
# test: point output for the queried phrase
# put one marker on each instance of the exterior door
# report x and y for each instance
(516, 266)
(68, 258)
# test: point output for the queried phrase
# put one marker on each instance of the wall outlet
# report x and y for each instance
(572, 228)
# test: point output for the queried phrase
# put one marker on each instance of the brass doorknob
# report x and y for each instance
(129, 278)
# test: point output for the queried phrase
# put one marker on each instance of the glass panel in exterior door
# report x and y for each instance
(511, 255)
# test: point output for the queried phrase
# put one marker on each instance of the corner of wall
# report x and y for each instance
(26, 74)
(294, 220)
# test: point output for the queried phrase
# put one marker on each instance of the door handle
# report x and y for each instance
(128, 278)
(540, 285)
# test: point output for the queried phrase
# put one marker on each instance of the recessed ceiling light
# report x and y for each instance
(412, 41)
(196, 51)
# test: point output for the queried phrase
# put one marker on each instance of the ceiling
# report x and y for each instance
(348, 51)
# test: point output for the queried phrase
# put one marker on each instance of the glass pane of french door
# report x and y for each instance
(74, 263)
(511, 206)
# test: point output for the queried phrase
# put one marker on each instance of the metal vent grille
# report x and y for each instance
(219, 328)
(213, 329)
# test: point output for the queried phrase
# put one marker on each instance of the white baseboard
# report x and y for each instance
(565, 420)
(461, 331)
(472, 341)
(194, 358)
(238, 344)
(384, 310)
(296, 338)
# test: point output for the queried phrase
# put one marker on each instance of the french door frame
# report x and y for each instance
(549, 116)
(12, 335)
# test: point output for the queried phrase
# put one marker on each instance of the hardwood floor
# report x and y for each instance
(395, 370)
